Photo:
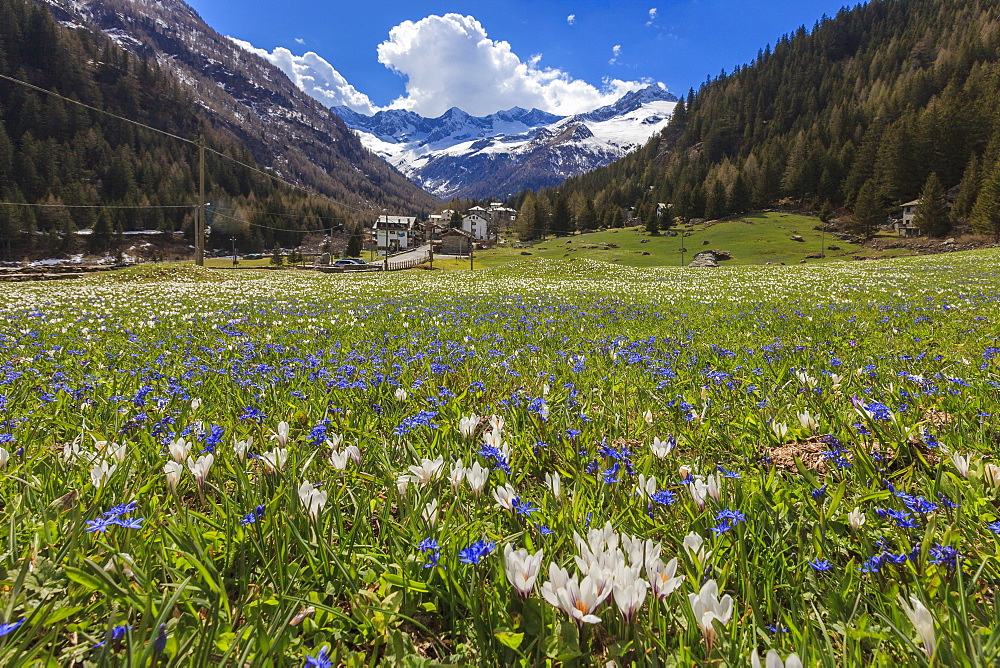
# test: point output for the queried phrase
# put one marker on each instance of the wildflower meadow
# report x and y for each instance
(544, 463)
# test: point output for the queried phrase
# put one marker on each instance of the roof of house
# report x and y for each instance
(913, 203)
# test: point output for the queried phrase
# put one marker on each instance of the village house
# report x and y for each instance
(476, 225)
(904, 226)
(392, 234)
(455, 242)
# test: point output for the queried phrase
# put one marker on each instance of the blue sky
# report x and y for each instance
(460, 61)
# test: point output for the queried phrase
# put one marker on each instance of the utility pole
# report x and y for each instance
(199, 228)
(472, 246)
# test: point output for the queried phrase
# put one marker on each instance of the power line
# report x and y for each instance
(102, 206)
(179, 138)
(266, 227)
(100, 111)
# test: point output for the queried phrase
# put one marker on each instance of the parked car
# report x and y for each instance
(348, 263)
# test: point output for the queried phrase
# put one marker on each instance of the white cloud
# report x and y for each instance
(571, 19)
(300, 40)
(652, 16)
(314, 76)
(450, 61)
(616, 51)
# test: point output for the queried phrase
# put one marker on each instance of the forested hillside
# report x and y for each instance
(858, 112)
(70, 158)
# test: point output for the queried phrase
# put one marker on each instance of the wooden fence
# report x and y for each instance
(389, 265)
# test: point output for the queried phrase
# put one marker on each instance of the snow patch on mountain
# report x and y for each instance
(458, 154)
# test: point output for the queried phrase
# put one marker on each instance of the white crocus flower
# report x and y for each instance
(122, 562)
(457, 475)
(641, 552)
(400, 394)
(837, 381)
(100, 473)
(476, 476)
(118, 451)
(281, 434)
(496, 424)
(577, 599)
(179, 449)
(780, 430)
(961, 463)
(856, 518)
(629, 591)
(312, 498)
(521, 568)
(662, 448)
(173, 471)
(773, 660)
(199, 469)
(430, 512)
(403, 481)
(4, 456)
(699, 491)
(808, 421)
(467, 425)
(427, 469)
(646, 487)
(334, 440)
(648, 417)
(505, 496)
(694, 546)
(991, 473)
(338, 459)
(923, 621)
(805, 379)
(708, 607)
(662, 577)
(195, 404)
(241, 448)
(275, 460)
(712, 487)
(554, 482)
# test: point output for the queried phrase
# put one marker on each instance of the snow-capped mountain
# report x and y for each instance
(280, 125)
(458, 155)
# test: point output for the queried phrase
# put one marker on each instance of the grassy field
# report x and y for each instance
(543, 463)
(767, 237)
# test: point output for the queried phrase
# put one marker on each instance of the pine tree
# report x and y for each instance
(456, 220)
(868, 210)
(277, 259)
(931, 215)
(561, 220)
(652, 221)
(968, 191)
(354, 242)
(525, 226)
(986, 214)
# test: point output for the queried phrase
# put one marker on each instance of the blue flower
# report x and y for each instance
(664, 497)
(115, 634)
(819, 493)
(476, 552)
(820, 564)
(160, 643)
(776, 628)
(121, 509)
(6, 629)
(100, 524)
(544, 530)
(523, 507)
(994, 527)
(321, 660)
(430, 547)
(727, 474)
